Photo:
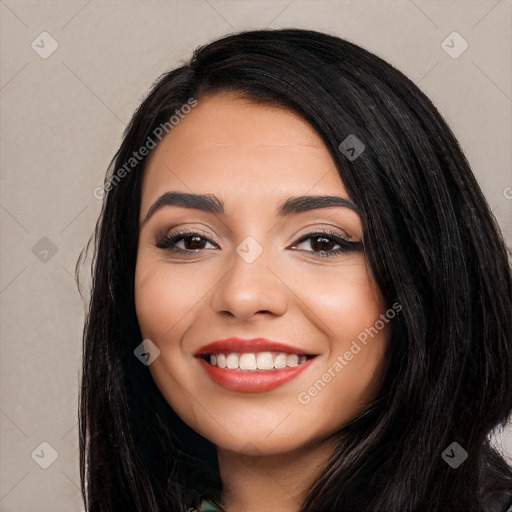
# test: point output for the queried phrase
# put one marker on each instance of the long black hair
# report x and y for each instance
(431, 242)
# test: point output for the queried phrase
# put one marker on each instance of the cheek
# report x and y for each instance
(349, 307)
(345, 299)
(163, 298)
(164, 295)
(155, 302)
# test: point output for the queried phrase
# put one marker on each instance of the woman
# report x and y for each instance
(301, 300)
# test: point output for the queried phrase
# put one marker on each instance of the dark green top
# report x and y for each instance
(208, 506)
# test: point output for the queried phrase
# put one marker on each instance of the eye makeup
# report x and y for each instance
(322, 239)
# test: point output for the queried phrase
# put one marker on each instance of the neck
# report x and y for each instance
(271, 482)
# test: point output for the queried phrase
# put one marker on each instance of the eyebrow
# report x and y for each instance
(212, 204)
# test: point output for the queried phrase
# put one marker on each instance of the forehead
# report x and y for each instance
(228, 144)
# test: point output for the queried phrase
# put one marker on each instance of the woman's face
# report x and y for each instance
(255, 265)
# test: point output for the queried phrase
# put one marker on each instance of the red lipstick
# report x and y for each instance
(243, 345)
(251, 381)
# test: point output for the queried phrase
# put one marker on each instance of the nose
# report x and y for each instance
(250, 289)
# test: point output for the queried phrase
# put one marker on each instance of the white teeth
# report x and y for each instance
(280, 361)
(232, 361)
(265, 361)
(256, 361)
(221, 360)
(292, 360)
(247, 362)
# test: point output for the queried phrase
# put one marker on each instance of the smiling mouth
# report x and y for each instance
(254, 372)
(252, 365)
(255, 361)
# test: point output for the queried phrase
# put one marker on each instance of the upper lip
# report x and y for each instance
(249, 345)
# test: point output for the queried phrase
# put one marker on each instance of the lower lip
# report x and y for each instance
(253, 381)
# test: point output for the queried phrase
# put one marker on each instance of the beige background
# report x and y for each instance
(62, 119)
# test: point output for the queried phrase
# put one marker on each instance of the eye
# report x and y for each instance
(321, 244)
(326, 244)
(191, 242)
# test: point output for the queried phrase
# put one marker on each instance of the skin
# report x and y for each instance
(271, 446)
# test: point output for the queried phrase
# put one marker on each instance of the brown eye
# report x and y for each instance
(321, 243)
(186, 243)
(326, 244)
(194, 242)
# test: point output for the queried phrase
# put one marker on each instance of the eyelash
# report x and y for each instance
(169, 243)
